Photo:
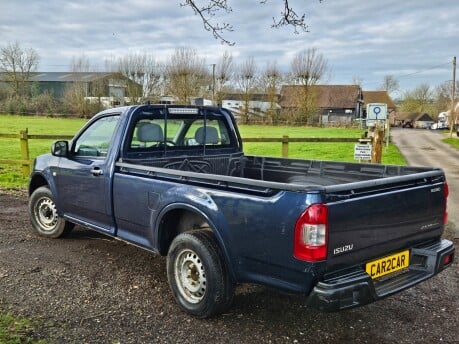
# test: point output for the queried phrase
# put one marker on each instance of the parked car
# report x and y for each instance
(407, 124)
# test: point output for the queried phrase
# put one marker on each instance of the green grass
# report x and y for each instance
(15, 330)
(319, 151)
(11, 175)
(311, 150)
(452, 142)
(270, 131)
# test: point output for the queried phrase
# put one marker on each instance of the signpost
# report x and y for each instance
(362, 152)
(376, 112)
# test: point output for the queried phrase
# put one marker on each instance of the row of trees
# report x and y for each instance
(186, 75)
(426, 99)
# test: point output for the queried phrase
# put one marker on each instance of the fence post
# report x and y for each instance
(25, 152)
(376, 152)
(285, 146)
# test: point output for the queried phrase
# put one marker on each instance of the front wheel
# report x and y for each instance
(198, 275)
(43, 215)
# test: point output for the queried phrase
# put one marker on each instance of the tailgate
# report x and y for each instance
(368, 224)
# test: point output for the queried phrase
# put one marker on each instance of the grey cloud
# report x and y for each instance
(368, 39)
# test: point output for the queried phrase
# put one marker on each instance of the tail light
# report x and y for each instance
(445, 214)
(311, 234)
(448, 259)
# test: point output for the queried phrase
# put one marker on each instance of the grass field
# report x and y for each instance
(11, 176)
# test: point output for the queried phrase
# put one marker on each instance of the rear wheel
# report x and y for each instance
(43, 215)
(197, 274)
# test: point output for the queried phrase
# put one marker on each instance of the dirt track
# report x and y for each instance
(91, 289)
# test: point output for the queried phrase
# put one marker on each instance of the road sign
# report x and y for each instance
(362, 152)
(376, 112)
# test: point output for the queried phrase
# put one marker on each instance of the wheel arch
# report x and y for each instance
(36, 181)
(180, 218)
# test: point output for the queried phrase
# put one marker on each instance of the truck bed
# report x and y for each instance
(276, 173)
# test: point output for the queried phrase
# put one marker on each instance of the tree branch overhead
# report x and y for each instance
(209, 8)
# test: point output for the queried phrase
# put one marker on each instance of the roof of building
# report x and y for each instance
(328, 96)
(414, 116)
(67, 76)
(378, 97)
(260, 97)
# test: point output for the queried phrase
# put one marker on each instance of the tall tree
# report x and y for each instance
(389, 84)
(224, 71)
(418, 100)
(271, 80)
(247, 79)
(308, 67)
(143, 70)
(75, 93)
(442, 96)
(83, 96)
(17, 64)
(186, 74)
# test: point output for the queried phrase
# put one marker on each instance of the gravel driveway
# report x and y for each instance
(425, 148)
(90, 289)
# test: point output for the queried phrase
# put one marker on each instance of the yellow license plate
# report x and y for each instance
(388, 265)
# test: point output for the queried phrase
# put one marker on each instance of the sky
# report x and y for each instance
(413, 40)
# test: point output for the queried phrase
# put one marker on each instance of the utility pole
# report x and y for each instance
(213, 82)
(453, 91)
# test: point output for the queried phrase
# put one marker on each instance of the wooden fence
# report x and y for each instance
(26, 162)
(24, 138)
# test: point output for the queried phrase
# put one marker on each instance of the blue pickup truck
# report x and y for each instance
(174, 180)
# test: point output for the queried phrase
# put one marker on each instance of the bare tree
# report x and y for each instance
(307, 69)
(186, 74)
(246, 79)
(442, 96)
(271, 80)
(288, 17)
(390, 84)
(17, 64)
(83, 96)
(418, 100)
(76, 92)
(143, 70)
(223, 74)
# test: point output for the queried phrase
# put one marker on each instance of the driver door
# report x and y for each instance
(84, 178)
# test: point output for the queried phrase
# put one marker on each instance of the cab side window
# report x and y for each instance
(95, 140)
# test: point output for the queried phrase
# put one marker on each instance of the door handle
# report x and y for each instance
(96, 171)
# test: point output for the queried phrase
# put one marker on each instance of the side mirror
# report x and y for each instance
(60, 149)
(191, 142)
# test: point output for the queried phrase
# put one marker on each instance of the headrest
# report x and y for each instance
(150, 132)
(209, 134)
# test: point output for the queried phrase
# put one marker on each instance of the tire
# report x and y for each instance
(197, 274)
(43, 215)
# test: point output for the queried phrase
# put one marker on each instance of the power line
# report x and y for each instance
(424, 70)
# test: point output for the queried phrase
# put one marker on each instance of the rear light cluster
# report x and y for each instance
(311, 234)
(445, 214)
(448, 259)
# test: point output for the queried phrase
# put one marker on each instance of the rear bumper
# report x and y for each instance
(356, 288)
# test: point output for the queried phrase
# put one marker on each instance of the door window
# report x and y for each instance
(95, 140)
